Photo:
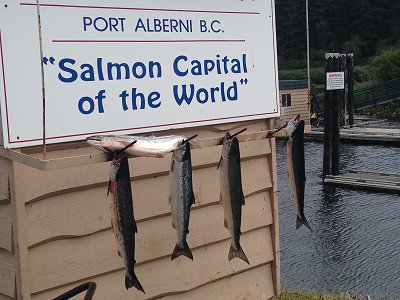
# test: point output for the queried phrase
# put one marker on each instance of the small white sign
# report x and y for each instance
(334, 81)
(130, 66)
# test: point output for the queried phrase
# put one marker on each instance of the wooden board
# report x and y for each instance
(36, 185)
(59, 262)
(210, 264)
(6, 241)
(252, 284)
(5, 212)
(78, 154)
(366, 180)
(4, 189)
(84, 212)
(7, 280)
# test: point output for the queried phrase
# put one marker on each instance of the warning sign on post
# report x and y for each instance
(334, 81)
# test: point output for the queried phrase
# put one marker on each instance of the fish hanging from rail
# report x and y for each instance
(231, 193)
(181, 198)
(122, 219)
(296, 167)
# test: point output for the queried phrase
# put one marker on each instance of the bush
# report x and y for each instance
(296, 74)
(362, 73)
(317, 75)
(386, 65)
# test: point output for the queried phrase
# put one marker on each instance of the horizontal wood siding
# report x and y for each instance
(4, 190)
(68, 237)
(299, 105)
(7, 259)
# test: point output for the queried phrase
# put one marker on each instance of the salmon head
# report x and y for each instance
(295, 127)
(103, 143)
(108, 143)
(118, 164)
(182, 153)
(230, 145)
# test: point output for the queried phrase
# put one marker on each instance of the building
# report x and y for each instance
(293, 96)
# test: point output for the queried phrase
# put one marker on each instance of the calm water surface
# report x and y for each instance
(355, 242)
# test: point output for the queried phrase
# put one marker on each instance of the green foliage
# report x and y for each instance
(317, 75)
(386, 65)
(296, 74)
(285, 295)
(388, 111)
(356, 46)
(357, 26)
(362, 74)
(291, 63)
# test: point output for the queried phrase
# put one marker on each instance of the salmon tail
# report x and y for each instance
(237, 253)
(133, 281)
(185, 250)
(301, 220)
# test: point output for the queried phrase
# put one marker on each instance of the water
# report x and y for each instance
(355, 243)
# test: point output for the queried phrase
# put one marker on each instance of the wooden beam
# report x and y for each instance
(94, 156)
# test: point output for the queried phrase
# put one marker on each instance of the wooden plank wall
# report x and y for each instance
(299, 105)
(68, 240)
(7, 260)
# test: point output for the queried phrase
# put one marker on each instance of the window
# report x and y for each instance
(286, 100)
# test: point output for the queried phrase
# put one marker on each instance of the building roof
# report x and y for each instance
(293, 84)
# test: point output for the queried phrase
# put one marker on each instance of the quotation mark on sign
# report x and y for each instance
(243, 81)
(51, 60)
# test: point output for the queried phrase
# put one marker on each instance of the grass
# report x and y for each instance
(389, 111)
(286, 295)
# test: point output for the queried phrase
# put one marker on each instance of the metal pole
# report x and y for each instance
(308, 57)
(42, 70)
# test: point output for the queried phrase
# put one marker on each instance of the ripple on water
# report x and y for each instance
(355, 242)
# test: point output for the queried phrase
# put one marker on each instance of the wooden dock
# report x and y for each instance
(366, 180)
(362, 134)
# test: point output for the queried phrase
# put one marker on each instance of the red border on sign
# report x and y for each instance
(140, 9)
(143, 127)
(148, 41)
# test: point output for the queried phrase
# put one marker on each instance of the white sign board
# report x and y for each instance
(334, 81)
(134, 66)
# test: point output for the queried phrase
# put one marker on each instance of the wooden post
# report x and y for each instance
(350, 87)
(336, 118)
(332, 118)
(343, 102)
(327, 161)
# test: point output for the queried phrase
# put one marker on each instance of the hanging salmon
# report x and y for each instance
(231, 193)
(181, 198)
(122, 220)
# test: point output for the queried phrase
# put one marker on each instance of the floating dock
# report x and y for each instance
(361, 134)
(380, 182)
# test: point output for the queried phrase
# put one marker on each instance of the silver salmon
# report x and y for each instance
(181, 198)
(231, 193)
(296, 167)
(149, 146)
(122, 220)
